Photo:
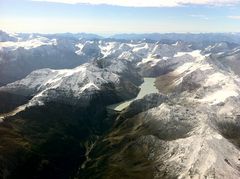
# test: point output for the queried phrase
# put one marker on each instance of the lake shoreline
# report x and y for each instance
(147, 87)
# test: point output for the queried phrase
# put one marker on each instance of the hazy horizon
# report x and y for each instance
(107, 17)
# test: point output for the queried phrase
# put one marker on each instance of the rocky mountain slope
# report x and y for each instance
(54, 123)
(51, 111)
(187, 133)
(20, 54)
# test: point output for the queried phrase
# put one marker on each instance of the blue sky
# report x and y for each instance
(106, 17)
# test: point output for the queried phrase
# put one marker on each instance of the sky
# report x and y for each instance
(107, 17)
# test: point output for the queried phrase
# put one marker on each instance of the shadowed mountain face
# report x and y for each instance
(56, 122)
(49, 141)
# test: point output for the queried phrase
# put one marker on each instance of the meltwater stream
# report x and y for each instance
(146, 87)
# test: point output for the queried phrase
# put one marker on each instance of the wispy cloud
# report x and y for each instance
(234, 17)
(148, 3)
(200, 16)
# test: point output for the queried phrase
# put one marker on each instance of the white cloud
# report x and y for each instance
(147, 3)
(234, 17)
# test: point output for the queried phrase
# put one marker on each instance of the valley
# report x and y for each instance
(174, 109)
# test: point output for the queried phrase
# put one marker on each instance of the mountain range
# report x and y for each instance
(57, 93)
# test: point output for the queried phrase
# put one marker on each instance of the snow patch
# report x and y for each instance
(29, 44)
(140, 47)
(220, 96)
(107, 48)
(215, 79)
(196, 54)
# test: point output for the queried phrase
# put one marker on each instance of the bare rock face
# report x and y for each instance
(191, 133)
(91, 49)
(189, 129)
(229, 60)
